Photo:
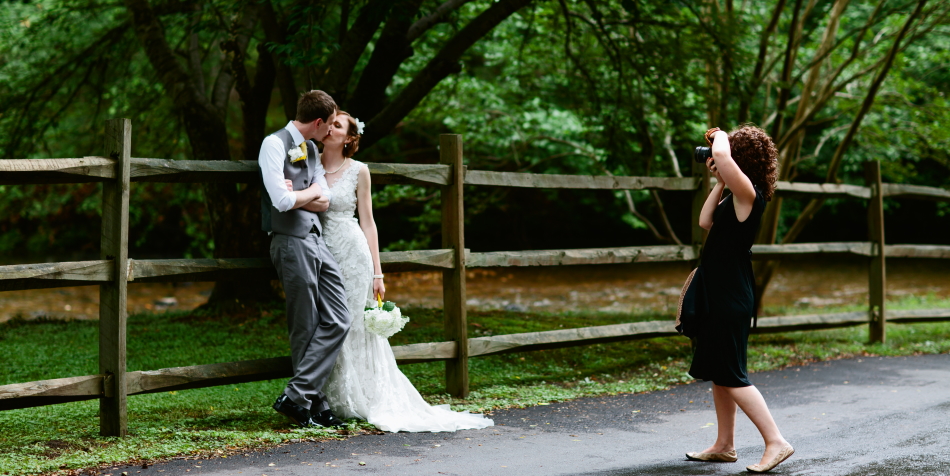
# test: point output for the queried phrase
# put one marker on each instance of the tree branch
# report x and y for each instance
(344, 19)
(194, 60)
(204, 125)
(633, 210)
(568, 51)
(784, 87)
(668, 147)
(855, 52)
(579, 150)
(443, 64)
(806, 108)
(235, 48)
(813, 206)
(276, 34)
(819, 103)
(26, 122)
(255, 97)
(339, 67)
(423, 24)
(391, 50)
(664, 217)
(872, 93)
(757, 76)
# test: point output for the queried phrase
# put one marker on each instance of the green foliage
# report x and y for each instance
(598, 90)
(573, 87)
(64, 220)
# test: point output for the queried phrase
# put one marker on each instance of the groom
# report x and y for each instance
(317, 317)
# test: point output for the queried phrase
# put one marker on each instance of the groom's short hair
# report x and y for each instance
(314, 105)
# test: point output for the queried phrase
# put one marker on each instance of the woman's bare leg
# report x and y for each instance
(726, 421)
(753, 405)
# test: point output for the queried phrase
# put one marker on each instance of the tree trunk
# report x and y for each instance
(767, 271)
(237, 232)
(444, 63)
(234, 209)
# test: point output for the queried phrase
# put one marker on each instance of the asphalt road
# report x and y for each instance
(870, 416)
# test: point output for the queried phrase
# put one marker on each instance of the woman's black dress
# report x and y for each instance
(722, 344)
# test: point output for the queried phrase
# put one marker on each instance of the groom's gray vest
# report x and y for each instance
(296, 222)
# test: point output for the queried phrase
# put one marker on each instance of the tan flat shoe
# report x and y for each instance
(781, 456)
(729, 457)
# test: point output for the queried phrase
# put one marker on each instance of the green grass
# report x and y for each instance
(222, 420)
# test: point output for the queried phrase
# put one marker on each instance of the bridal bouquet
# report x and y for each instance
(385, 319)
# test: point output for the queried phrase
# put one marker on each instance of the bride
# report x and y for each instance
(365, 382)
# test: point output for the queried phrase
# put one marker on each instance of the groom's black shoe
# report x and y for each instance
(327, 419)
(300, 415)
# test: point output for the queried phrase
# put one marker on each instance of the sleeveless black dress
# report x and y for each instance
(722, 343)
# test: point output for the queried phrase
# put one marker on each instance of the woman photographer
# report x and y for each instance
(744, 161)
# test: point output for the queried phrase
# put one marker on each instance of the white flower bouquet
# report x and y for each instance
(385, 319)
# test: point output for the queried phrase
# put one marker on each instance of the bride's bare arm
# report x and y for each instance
(364, 204)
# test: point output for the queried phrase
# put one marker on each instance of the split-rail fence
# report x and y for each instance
(112, 273)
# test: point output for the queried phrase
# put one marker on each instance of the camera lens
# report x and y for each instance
(702, 154)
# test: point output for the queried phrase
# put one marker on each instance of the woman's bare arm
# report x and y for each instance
(738, 183)
(364, 205)
(709, 207)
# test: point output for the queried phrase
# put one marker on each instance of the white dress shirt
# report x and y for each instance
(271, 161)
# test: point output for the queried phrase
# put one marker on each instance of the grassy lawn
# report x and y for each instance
(222, 420)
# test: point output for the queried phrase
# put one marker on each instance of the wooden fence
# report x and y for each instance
(114, 270)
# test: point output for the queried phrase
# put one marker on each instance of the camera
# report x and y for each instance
(702, 154)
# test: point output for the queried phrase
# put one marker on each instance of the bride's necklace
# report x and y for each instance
(338, 168)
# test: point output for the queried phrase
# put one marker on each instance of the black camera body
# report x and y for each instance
(702, 154)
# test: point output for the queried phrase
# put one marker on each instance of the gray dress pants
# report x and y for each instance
(317, 316)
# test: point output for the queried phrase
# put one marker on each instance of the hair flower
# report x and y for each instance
(359, 126)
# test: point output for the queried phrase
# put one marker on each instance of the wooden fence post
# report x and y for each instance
(113, 420)
(876, 273)
(453, 280)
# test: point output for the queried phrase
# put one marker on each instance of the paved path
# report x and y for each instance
(870, 416)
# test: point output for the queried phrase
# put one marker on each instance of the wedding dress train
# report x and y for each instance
(366, 383)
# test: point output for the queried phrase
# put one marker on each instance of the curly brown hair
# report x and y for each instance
(352, 132)
(757, 157)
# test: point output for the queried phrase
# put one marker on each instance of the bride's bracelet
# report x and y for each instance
(377, 276)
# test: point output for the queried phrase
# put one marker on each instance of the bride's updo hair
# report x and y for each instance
(350, 148)
(756, 155)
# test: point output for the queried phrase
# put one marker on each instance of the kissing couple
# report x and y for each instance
(328, 263)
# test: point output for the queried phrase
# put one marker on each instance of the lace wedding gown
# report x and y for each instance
(365, 382)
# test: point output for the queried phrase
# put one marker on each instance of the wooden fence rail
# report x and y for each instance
(101, 169)
(117, 170)
(78, 273)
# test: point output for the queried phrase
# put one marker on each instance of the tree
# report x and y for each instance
(551, 86)
(838, 61)
(199, 52)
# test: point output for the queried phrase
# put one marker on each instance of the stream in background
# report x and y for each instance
(813, 283)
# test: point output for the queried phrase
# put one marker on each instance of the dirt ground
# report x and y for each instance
(621, 288)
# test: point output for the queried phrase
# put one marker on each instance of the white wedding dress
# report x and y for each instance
(365, 382)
